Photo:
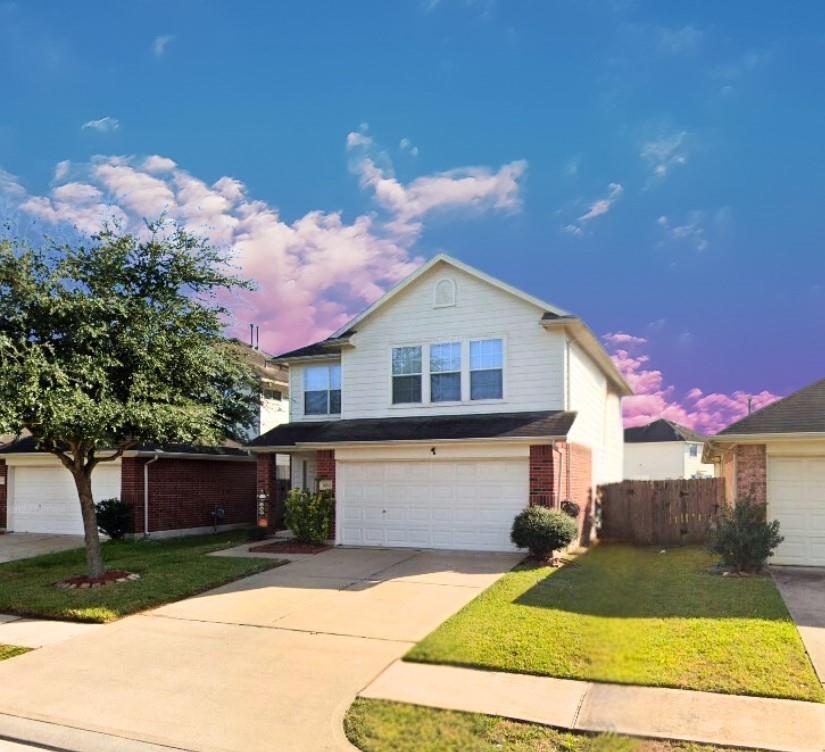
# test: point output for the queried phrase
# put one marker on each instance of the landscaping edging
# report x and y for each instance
(81, 582)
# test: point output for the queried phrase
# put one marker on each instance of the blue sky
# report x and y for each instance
(655, 168)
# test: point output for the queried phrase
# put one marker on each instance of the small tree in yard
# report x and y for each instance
(744, 539)
(542, 531)
(115, 343)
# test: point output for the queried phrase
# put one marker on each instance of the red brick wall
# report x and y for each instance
(184, 492)
(325, 470)
(574, 463)
(4, 491)
(542, 476)
(578, 486)
(752, 473)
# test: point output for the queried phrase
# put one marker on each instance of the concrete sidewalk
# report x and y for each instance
(803, 590)
(702, 717)
(37, 633)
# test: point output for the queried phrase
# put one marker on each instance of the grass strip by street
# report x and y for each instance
(170, 569)
(10, 651)
(633, 616)
(380, 726)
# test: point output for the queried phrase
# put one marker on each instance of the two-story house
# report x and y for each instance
(662, 450)
(445, 408)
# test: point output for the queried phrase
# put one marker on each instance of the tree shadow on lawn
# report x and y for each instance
(621, 581)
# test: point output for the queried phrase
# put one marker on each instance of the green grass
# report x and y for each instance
(633, 616)
(379, 726)
(9, 651)
(170, 570)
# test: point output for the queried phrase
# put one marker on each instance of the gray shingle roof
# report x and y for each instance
(800, 412)
(431, 427)
(661, 430)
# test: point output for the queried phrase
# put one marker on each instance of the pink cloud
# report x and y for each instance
(654, 399)
(313, 273)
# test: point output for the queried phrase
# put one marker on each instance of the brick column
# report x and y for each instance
(4, 494)
(542, 477)
(325, 470)
(267, 483)
(751, 473)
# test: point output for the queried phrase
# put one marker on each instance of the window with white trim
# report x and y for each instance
(445, 372)
(486, 369)
(694, 450)
(406, 375)
(322, 390)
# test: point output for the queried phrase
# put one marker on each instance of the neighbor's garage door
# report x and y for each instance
(796, 497)
(44, 499)
(431, 504)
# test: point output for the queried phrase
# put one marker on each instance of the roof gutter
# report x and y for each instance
(299, 446)
(761, 438)
(579, 332)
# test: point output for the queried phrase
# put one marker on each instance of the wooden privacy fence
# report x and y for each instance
(660, 512)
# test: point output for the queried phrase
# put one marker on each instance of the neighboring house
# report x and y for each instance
(445, 408)
(662, 450)
(186, 485)
(274, 379)
(777, 456)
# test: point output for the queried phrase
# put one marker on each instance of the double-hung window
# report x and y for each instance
(406, 375)
(322, 390)
(445, 372)
(486, 369)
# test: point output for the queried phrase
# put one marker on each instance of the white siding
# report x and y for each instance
(533, 359)
(598, 419)
(654, 460)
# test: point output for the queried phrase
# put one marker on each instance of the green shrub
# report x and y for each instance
(542, 531)
(115, 518)
(743, 538)
(309, 515)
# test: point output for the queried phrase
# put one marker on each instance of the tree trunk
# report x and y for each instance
(94, 556)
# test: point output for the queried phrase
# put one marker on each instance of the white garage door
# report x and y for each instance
(44, 499)
(431, 504)
(796, 497)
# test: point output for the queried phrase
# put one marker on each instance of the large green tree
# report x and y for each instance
(118, 341)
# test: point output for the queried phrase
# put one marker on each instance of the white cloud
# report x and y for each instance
(61, 170)
(160, 44)
(464, 188)
(406, 145)
(314, 272)
(602, 205)
(155, 164)
(103, 125)
(665, 152)
(691, 231)
(681, 41)
(10, 185)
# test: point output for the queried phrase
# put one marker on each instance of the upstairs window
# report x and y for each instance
(322, 390)
(406, 375)
(486, 369)
(445, 372)
(694, 450)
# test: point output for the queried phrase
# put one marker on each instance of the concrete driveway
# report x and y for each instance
(15, 546)
(269, 662)
(803, 590)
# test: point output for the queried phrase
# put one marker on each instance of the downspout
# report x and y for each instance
(559, 452)
(146, 495)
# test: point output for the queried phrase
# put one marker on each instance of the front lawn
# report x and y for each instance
(9, 651)
(633, 616)
(170, 570)
(379, 726)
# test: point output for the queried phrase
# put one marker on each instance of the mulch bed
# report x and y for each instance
(81, 582)
(288, 547)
